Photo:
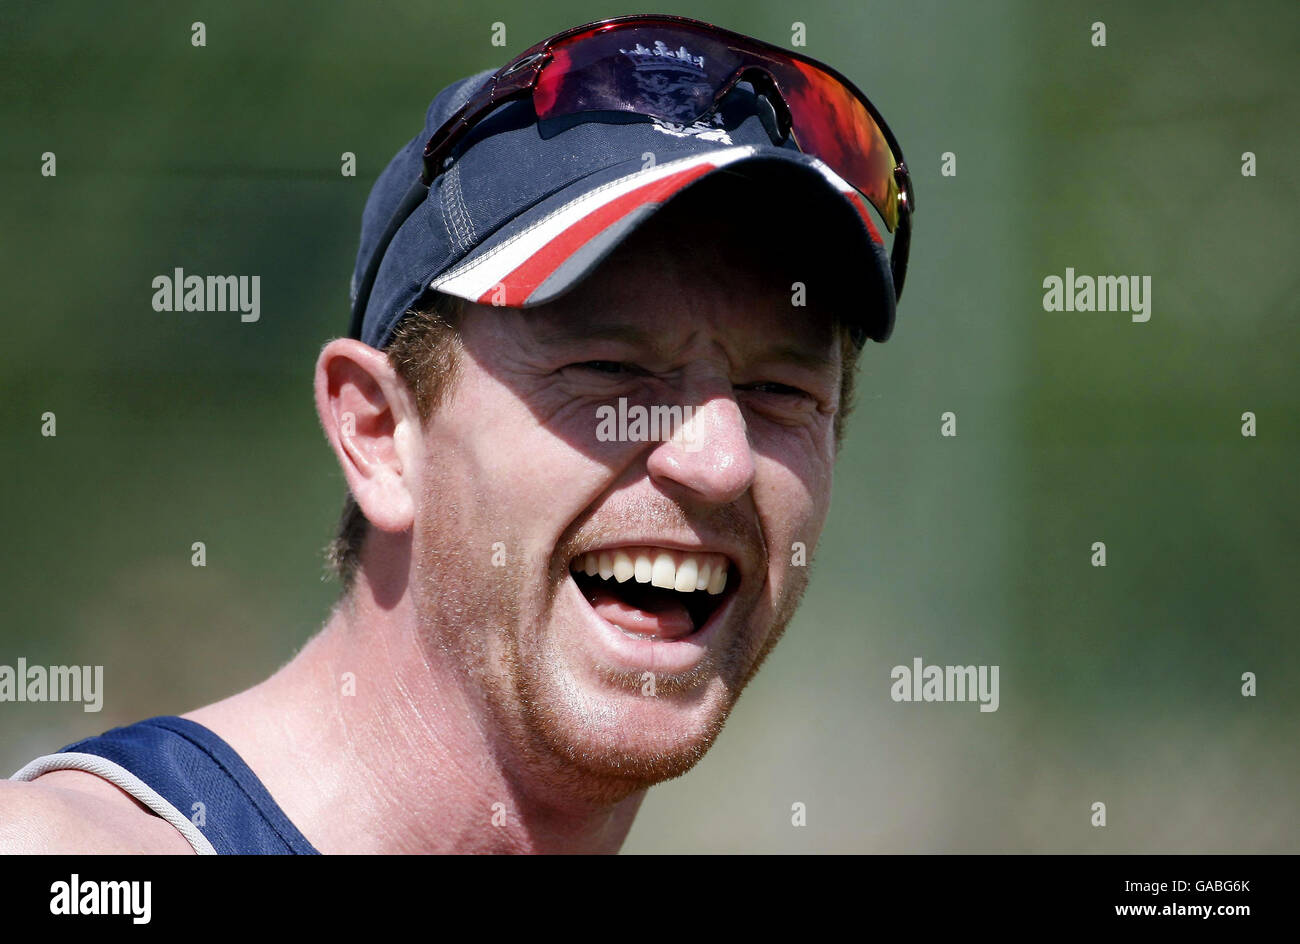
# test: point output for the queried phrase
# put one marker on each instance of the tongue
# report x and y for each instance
(663, 618)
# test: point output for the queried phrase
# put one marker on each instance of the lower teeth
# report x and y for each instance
(588, 586)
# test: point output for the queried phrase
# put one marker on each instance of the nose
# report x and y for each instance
(710, 456)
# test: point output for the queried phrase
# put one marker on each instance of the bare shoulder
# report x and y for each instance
(73, 812)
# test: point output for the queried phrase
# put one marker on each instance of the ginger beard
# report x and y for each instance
(588, 729)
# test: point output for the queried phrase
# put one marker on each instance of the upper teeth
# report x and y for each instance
(672, 570)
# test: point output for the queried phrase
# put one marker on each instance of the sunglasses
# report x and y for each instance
(678, 69)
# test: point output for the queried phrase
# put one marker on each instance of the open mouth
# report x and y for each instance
(653, 592)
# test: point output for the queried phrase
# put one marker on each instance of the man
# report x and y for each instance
(588, 415)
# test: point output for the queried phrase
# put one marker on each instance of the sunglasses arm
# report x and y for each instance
(510, 82)
(903, 237)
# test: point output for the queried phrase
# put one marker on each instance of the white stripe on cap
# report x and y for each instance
(474, 278)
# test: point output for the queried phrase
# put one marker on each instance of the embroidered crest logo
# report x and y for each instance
(661, 57)
(671, 82)
(698, 129)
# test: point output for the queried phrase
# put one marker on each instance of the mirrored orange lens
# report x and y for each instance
(830, 122)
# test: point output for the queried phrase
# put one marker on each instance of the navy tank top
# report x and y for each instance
(203, 785)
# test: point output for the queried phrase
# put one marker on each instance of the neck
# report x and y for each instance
(371, 745)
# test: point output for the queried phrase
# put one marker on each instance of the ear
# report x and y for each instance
(372, 423)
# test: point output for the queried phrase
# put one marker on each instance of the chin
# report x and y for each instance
(623, 740)
(627, 712)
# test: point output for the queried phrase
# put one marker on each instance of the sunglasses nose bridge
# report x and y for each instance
(764, 83)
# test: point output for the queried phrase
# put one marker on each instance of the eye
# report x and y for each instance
(604, 367)
(609, 369)
(778, 389)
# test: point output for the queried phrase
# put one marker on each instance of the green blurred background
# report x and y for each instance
(1118, 684)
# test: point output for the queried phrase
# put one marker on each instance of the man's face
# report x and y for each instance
(604, 680)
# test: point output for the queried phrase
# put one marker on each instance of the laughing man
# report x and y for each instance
(540, 620)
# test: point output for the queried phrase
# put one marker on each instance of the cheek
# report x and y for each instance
(792, 502)
(527, 465)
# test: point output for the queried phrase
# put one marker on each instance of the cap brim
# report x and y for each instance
(551, 247)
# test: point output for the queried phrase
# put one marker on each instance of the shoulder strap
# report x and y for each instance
(171, 765)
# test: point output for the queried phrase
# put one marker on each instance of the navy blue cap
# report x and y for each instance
(527, 208)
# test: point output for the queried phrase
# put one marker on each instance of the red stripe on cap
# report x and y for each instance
(524, 278)
(863, 212)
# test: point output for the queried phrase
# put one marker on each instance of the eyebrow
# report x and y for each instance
(801, 356)
(586, 331)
